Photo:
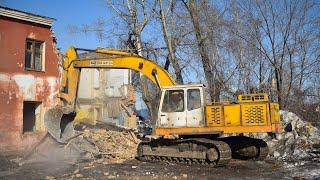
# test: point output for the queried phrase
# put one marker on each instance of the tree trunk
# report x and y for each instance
(170, 45)
(213, 83)
(279, 88)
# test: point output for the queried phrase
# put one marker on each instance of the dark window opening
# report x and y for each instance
(31, 111)
(173, 101)
(194, 99)
(33, 55)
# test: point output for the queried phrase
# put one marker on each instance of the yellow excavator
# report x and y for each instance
(189, 129)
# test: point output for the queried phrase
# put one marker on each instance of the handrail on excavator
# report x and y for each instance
(109, 51)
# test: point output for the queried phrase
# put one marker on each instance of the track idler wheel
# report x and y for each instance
(212, 154)
(59, 125)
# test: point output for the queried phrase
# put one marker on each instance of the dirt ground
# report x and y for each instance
(51, 160)
(134, 169)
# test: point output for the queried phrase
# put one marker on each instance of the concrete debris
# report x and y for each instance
(299, 140)
(103, 145)
(79, 175)
(102, 142)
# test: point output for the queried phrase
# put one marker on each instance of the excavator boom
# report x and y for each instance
(113, 60)
(58, 120)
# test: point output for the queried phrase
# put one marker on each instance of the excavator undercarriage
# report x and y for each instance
(186, 151)
(203, 151)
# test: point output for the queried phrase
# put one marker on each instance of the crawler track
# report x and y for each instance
(186, 151)
(263, 150)
(243, 147)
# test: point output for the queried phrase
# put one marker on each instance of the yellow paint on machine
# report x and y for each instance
(275, 113)
(216, 130)
(117, 60)
(214, 116)
(254, 113)
(84, 115)
(232, 115)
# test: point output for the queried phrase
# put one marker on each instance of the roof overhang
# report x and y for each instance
(16, 14)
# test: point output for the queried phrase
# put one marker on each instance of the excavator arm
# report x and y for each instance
(57, 120)
(112, 60)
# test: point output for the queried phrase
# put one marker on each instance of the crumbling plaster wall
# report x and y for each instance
(18, 85)
(104, 95)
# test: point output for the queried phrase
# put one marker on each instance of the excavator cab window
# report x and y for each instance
(194, 99)
(173, 101)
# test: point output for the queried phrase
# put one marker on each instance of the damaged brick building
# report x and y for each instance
(29, 77)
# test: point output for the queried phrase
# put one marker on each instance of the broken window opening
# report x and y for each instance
(31, 115)
(33, 55)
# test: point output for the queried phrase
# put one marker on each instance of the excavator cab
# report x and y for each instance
(181, 106)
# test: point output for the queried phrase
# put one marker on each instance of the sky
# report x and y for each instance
(79, 12)
(67, 13)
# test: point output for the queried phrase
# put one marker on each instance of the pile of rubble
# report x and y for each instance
(108, 144)
(299, 140)
(103, 142)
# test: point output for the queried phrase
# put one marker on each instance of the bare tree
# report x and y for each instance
(282, 31)
(169, 38)
(193, 10)
(129, 12)
(209, 28)
(234, 46)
